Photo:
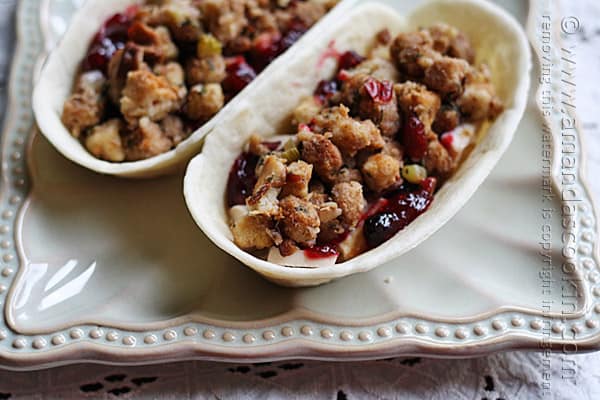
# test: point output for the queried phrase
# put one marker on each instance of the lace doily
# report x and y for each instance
(503, 376)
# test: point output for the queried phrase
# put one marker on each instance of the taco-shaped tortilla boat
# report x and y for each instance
(134, 86)
(366, 144)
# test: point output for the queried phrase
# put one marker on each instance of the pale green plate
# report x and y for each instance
(101, 269)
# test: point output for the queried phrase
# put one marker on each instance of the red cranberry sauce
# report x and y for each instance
(321, 251)
(239, 75)
(400, 211)
(349, 60)
(268, 45)
(295, 30)
(242, 178)
(265, 48)
(414, 138)
(326, 89)
(111, 37)
(243, 68)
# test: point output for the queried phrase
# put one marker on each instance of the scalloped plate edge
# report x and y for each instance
(286, 339)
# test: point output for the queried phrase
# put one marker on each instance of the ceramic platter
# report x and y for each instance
(94, 268)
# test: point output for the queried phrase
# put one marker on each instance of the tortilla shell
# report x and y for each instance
(499, 41)
(56, 81)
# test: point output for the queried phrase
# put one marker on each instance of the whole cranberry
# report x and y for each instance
(349, 60)
(265, 48)
(116, 27)
(414, 138)
(399, 211)
(324, 251)
(99, 55)
(429, 184)
(242, 178)
(239, 75)
(380, 92)
(386, 91)
(111, 37)
(381, 227)
(294, 32)
(326, 89)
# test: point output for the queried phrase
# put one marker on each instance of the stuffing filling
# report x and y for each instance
(156, 72)
(370, 149)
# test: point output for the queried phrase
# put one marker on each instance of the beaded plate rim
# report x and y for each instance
(300, 337)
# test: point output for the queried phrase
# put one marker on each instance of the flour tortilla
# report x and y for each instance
(499, 41)
(57, 77)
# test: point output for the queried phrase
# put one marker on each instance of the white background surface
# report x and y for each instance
(506, 376)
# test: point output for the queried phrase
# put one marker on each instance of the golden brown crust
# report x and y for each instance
(309, 12)
(394, 149)
(331, 231)
(438, 161)
(181, 17)
(447, 118)
(378, 68)
(349, 197)
(323, 155)
(225, 19)
(251, 232)
(384, 37)
(85, 107)
(204, 101)
(299, 220)
(173, 72)
(298, 177)
(148, 95)
(479, 100)
(412, 54)
(173, 128)
(155, 43)
(306, 111)
(206, 70)
(287, 248)
(146, 141)
(381, 172)
(348, 175)
(104, 141)
(348, 134)
(446, 76)
(416, 99)
(130, 58)
(450, 41)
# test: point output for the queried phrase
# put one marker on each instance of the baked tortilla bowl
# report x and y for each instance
(498, 40)
(61, 67)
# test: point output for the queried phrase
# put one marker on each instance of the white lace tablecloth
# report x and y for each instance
(515, 375)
